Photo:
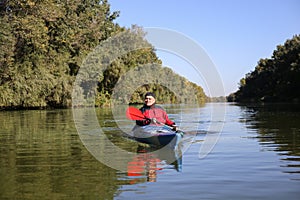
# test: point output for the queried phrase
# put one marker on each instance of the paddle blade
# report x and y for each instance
(134, 114)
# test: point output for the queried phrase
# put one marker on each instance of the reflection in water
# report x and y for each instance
(42, 157)
(148, 162)
(278, 126)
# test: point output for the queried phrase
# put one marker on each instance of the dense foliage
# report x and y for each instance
(163, 82)
(43, 44)
(274, 80)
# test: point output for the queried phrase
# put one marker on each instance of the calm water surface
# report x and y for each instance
(257, 156)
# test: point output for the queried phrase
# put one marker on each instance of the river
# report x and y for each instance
(229, 152)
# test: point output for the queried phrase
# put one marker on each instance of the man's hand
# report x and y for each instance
(153, 121)
(174, 128)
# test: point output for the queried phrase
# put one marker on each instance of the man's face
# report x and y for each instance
(149, 100)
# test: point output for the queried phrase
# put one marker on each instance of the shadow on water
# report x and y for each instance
(278, 126)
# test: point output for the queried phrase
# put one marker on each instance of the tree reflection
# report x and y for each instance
(41, 156)
(278, 126)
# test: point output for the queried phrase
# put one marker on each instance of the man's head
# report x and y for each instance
(149, 98)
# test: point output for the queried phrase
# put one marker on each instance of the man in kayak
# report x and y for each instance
(154, 113)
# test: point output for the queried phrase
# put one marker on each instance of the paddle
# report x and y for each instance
(135, 114)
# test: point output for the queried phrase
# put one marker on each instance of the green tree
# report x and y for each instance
(44, 43)
(42, 46)
(168, 86)
(276, 78)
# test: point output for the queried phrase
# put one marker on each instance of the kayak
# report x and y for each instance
(157, 135)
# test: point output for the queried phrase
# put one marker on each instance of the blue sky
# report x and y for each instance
(235, 34)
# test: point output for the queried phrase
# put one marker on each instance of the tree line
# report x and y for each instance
(44, 43)
(275, 79)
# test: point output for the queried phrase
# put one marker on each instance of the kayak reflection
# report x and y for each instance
(149, 162)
